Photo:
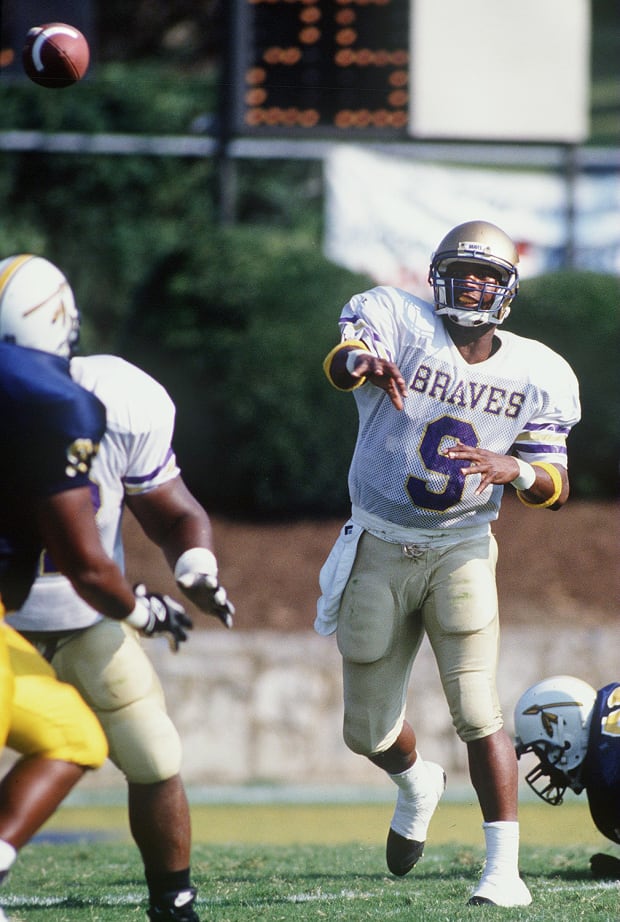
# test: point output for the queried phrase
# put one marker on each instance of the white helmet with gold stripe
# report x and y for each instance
(552, 720)
(37, 306)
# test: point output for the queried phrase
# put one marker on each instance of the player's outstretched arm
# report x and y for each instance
(349, 366)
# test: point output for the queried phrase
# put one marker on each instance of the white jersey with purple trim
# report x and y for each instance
(523, 399)
(135, 456)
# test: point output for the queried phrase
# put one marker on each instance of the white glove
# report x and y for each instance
(196, 574)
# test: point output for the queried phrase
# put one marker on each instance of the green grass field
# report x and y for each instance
(310, 862)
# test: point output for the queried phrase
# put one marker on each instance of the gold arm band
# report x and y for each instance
(327, 362)
(556, 477)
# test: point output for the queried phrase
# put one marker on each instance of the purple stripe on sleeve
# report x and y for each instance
(534, 448)
(546, 427)
(144, 478)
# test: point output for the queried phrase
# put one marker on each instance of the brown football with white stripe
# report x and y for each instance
(55, 55)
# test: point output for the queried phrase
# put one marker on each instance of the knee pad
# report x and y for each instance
(144, 743)
(109, 667)
(50, 719)
(474, 706)
(369, 734)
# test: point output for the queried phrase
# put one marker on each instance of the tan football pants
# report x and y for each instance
(392, 597)
(107, 665)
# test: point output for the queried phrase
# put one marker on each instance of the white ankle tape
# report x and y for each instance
(7, 855)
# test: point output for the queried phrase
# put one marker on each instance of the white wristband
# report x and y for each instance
(352, 359)
(526, 476)
(196, 560)
(139, 617)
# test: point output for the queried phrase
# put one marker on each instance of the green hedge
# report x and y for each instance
(238, 329)
(577, 314)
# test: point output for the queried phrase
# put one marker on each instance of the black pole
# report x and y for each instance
(571, 173)
(226, 172)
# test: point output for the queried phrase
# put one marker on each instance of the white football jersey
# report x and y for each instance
(524, 399)
(135, 455)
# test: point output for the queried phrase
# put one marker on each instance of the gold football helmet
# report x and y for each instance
(475, 248)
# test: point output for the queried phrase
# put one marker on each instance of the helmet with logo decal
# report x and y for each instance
(552, 720)
(481, 250)
(37, 307)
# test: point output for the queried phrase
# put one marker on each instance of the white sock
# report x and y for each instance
(502, 848)
(413, 780)
(7, 857)
(414, 809)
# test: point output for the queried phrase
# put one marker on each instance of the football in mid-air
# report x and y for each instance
(55, 55)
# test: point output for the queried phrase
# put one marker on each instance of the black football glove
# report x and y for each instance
(163, 616)
(207, 594)
(196, 574)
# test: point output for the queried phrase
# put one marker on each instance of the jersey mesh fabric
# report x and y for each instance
(524, 398)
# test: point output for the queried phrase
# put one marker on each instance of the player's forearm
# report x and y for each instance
(550, 488)
(69, 534)
(104, 587)
(337, 366)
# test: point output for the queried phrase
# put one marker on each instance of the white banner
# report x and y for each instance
(385, 215)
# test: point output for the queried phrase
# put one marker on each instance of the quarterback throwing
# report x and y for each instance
(452, 409)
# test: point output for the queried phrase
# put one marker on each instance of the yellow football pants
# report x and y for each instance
(39, 714)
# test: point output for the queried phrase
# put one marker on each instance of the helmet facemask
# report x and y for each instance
(547, 780)
(474, 275)
(454, 279)
(552, 720)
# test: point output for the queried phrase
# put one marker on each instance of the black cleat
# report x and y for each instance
(175, 907)
(605, 867)
(402, 854)
(480, 901)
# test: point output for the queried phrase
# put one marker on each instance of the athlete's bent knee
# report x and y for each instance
(144, 743)
(474, 707)
(365, 740)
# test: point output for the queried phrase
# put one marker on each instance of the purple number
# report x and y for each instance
(439, 435)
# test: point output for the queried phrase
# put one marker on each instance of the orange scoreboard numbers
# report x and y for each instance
(330, 67)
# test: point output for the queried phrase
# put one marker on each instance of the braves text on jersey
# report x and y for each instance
(523, 399)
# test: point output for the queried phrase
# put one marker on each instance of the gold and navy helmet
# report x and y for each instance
(475, 247)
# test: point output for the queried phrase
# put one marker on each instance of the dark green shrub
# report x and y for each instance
(238, 329)
(577, 314)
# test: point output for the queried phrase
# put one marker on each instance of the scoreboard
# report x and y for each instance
(312, 67)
